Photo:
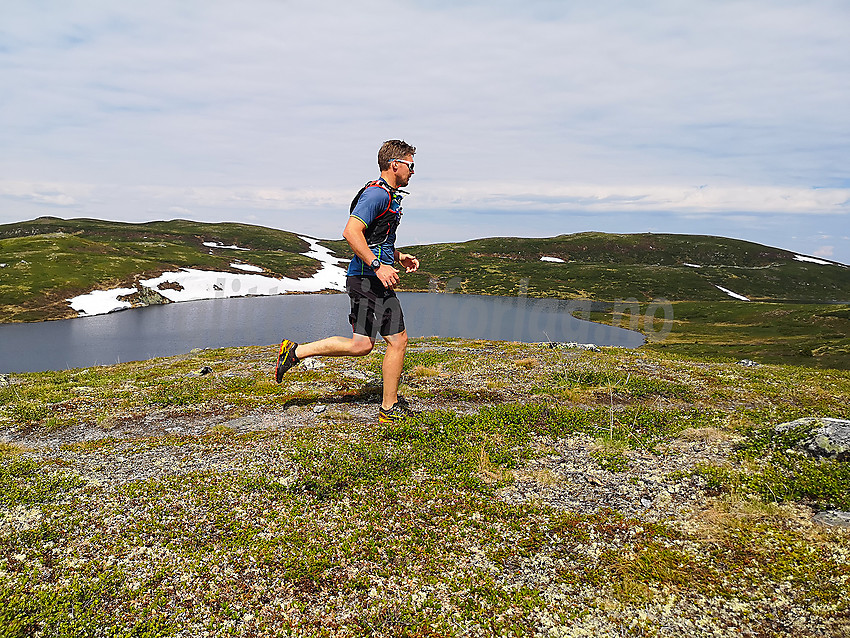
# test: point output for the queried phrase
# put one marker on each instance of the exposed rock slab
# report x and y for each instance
(833, 518)
(826, 438)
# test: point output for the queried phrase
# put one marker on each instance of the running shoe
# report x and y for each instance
(286, 359)
(394, 414)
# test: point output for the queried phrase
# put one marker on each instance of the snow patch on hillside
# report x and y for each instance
(812, 260)
(218, 244)
(246, 267)
(189, 284)
(101, 302)
(731, 294)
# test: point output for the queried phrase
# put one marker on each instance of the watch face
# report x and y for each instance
(375, 263)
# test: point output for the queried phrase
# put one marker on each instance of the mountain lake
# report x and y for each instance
(178, 328)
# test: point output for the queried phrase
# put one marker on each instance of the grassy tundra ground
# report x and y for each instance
(540, 492)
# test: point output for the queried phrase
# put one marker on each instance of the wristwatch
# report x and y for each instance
(376, 263)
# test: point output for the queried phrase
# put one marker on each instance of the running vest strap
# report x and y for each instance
(382, 226)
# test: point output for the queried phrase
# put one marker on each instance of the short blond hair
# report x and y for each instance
(393, 149)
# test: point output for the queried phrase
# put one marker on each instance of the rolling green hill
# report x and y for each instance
(608, 267)
(50, 260)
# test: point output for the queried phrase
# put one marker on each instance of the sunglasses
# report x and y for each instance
(409, 164)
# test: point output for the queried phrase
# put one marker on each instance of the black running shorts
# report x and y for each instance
(373, 307)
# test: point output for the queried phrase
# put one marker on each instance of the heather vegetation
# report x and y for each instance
(812, 335)
(540, 491)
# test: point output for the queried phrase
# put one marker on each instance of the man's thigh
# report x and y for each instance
(363, 297)
(374, 308)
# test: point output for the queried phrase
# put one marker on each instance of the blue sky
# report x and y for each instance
(531, 118)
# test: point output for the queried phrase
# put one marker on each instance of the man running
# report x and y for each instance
(371, 278)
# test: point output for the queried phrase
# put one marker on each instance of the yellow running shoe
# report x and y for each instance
(286, 359)
(395, 413)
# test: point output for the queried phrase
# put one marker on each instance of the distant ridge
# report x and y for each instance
(642, 266)
(48, 260)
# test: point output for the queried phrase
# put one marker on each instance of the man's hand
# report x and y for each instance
(410, 263)
(388, 276)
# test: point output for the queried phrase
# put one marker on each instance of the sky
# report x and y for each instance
(531, 118)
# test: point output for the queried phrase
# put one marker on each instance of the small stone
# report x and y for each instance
(833, 518)
(313, 364)
(747, 363)
(205, 370)
(319, 409)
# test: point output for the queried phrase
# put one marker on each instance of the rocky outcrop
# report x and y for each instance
(824, 438)
(144, 296)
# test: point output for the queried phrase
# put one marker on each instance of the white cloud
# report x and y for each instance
(524, 197)
(687, 200)
(45, 193)
(240, 110)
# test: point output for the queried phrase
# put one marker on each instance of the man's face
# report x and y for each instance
(404, 170)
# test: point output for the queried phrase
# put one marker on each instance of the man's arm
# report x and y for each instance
(354, 235)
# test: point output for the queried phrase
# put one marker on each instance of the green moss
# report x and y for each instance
(333, 470)
(179, 392)
(612, 460)
(91, 605)
(25, 481)
(785, 477)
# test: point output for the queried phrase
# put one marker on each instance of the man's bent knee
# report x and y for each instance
(398, 340)
(361, 346)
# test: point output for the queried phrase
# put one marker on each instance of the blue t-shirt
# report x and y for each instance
(371, 209)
